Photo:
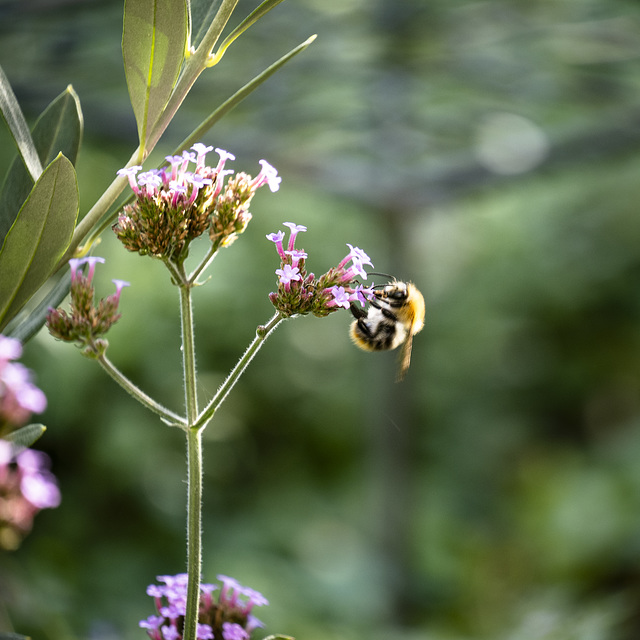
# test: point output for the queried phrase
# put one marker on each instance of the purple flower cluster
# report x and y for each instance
(19, 397)
(228, 617)
(87, 322)
(300, 292)
(176, 204)
(26, 487)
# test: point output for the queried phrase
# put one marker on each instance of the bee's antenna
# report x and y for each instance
(383, 275)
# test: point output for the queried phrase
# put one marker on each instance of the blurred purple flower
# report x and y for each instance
(19, 397)
(227, 618)
(26, 487)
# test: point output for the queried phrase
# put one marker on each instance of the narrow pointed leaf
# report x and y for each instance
(18, 128)
(154, 41)
(24, 437)
(39, 236)
(240, 95)
(252, 18)
(57, 130)
(203, 13)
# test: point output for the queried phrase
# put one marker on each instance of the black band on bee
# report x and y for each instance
(379, 339)
(383, 307)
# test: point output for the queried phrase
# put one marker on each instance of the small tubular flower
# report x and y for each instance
(277, 238)
(130, 173)
(294, 229)
(268, 175)
(340, 297)
(288, 273)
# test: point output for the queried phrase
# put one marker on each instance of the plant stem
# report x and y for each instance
(194, 532)
(177, 274)
(194, 449)
(188, 352)
(194, 455)
(207, 260)
(262, 333)
(167, 416)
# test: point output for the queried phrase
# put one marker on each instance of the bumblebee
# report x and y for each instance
(393, 317)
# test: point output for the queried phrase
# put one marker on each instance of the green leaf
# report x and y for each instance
(154, 41)
(57, 130)
(18, 128)
(252, 18)
(240, 95)
(24, 437)
(38, 238)
(202, 14)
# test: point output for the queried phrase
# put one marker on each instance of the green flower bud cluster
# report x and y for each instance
(87, 322)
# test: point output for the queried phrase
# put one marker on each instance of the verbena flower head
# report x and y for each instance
(300, 292)
(180, 202)
(26, 487)
(19, 397)
(87, 322)
(225, 617)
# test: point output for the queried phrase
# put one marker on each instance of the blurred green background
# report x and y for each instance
(487, 151)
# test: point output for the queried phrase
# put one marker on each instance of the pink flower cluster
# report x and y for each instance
(300, 292)
(26, 487)
(177, 203)
(19, 397)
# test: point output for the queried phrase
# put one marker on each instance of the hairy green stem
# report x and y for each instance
(194, 451)
(262, 333)
(167, 416)
(177, 274)
(194, 532)
(194, 455)
(204, 264)
(188, 353)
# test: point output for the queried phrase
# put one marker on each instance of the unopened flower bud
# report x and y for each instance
(87, 322)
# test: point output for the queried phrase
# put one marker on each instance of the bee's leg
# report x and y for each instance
(364, 328)
(374, 303)
(357, 312)
(386, 312)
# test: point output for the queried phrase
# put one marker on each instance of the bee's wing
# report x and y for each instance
(404, 359)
